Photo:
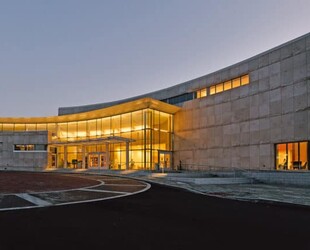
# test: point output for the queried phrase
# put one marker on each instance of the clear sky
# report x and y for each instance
(56, 53)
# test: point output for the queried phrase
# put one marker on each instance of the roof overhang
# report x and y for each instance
(108, 139)
(118, 109)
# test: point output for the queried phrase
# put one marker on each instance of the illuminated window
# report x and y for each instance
(201, 93)
(227, 85)
(245, 80)
(292, 156)
(236, 82)
(30, 147)
(8, 127)
(212, 90)
(219, 88)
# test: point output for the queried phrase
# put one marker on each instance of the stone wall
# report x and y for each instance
(22, 160)
(238, 128)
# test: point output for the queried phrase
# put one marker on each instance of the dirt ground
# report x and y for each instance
(24, 182)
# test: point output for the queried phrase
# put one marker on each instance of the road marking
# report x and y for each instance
(35, 200)
(102, 191)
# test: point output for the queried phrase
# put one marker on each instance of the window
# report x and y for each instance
(201, 93)
(236, 82)
(30, 147)
(227, 85)
(219, 88)
(212, 90)
(292, 156)
(245, 80)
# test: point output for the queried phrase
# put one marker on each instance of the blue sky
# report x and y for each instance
(56, 53)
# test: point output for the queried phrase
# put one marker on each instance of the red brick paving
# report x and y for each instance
(24, 182)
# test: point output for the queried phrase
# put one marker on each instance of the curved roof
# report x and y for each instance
(135, 105)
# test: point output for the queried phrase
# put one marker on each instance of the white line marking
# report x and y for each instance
(102, 191)
(34, 200)
(121, 185)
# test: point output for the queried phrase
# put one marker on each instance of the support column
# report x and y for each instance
(83, 157)
(65, 156)
(107, 154)
(127, 155)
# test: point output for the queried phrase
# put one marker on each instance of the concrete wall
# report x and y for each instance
(22, 160)
(238, 128)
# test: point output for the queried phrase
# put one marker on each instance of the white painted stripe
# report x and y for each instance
(123, 185)
(35, 200)
(101, 191)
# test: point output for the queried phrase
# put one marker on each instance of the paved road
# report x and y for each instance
(160, 218)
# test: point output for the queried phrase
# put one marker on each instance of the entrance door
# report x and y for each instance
(97, 159)
(165, 160)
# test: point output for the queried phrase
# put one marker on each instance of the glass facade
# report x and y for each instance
(292, 156)
(107, 141)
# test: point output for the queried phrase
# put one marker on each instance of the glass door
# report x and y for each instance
(97, 159)
(164, 160)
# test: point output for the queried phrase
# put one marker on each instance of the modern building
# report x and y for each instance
(252, 115)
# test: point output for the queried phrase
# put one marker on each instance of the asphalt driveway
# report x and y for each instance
(160, 218)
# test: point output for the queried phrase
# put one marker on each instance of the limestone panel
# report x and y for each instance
(275, 108)
(226, 112)
(288, 127)
(287, 94)
(287, 71)
(218, 139)
(254, 132)
(286, 51)
(254, 76)
(245, 133)
(235, 94)
(264, 104)
(210, 101)
(308, 63)
(275, 95)
(308, 43)
(299, 46)
(243, 68)
(275, 128)
(300, 66)
(234, 71)
(203, 119)
(300, 88)
(253, 64)
(263, 60)
(263, 73)
(203, 102)
(196, 119)
(263, 84)
(300, 125)
(225, 96)
(218, 114)
(300, 102)
(244, 91)
(275, 56)
(274, 68)
(254, 106)
(254, 87)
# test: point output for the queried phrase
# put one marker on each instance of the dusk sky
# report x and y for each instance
(58, 53)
